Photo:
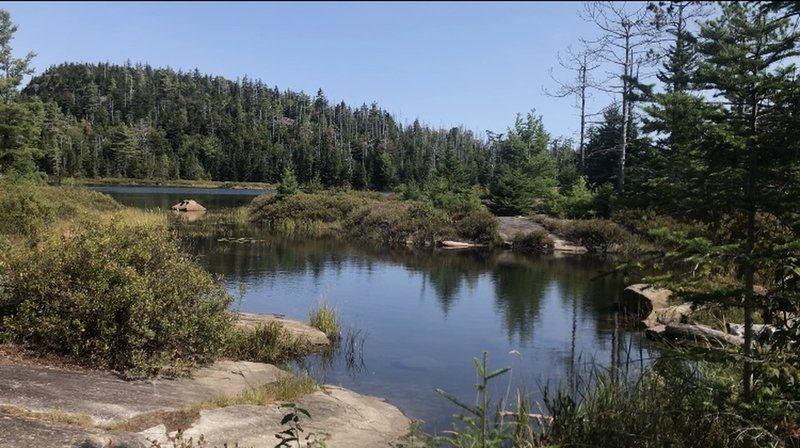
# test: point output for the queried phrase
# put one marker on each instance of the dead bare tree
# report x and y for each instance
(628, 34)
(582, 63)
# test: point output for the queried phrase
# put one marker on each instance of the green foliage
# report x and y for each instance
(525, 180)
(12, 69)
(479, 226)
(598, 235)
(291, 437)
(536, 241)
(115, 296)
(288, 183)
(578, 201)
(29, 208)
(410, 191)
(196, 126)
(20, 126)
(371, 217)
(454, 200)
(324, 318)
(477, 430)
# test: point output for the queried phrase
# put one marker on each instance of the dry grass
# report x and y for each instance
(287, 388)
(61, 417)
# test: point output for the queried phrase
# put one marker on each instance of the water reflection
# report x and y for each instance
(418, 316)
(521, 283)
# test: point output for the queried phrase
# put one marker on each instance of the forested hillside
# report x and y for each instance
(144, 122)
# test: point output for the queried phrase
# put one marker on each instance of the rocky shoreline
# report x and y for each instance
(61, 407)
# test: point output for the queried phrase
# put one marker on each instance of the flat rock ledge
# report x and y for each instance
(340, 417)
(295, 327)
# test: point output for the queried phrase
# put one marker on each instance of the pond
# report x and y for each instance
(419, 316)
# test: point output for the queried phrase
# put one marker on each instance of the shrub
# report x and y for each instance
(579, 201)
(409, 191)
(29, 208)
(599, 235)
(116, 296)
(302, 209)
(479, 225)
(537, 241)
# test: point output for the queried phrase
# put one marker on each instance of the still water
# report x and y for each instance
(419, 316)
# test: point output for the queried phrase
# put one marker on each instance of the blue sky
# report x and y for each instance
(474, 64)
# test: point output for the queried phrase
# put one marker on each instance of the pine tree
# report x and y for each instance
(742, 164)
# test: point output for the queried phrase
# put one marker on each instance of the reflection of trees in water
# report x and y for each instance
(521, 282)
(518, 295)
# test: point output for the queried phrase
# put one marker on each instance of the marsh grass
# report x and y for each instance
(270, 343)
(675, 401)
(325, 318)
(353, 347)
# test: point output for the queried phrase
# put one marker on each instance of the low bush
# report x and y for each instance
(28, 208)
(115, 296)
(536, 241)
(598, 235)
(479, 225)
(303, 209)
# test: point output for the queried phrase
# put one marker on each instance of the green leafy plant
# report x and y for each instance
(477, 431)
(292, 436)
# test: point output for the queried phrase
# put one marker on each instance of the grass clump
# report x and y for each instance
(286, 388)
(270, 343)
(536, 241)
(675, 402)
(61, 417)
(324, 318)
(115, 296)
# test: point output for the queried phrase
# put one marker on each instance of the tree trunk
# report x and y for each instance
(701, 332)
(626, 111)
(583, 115)
(749, 268)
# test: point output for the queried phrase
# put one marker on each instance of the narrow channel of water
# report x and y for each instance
(420, 316)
